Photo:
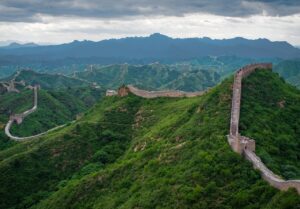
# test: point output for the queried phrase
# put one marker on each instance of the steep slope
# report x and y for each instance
(136, 153)
(271, 116)
(152, 76)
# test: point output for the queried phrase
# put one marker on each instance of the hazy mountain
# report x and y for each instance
(6, 43)
(152, 48)
(15, 45)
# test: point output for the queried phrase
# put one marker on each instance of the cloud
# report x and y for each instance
(67, 29)
(32, 10)
(58, 21)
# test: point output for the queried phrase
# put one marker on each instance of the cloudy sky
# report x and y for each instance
(59, 21)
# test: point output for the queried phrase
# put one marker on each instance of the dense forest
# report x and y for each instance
(132, 152)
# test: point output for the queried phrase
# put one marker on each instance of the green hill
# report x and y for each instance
(152, 76)
(55, 107)
(132, 152)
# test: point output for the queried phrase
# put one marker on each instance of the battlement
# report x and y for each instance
(123, 91)
(18, 118)
(237, 92)
(244, 145)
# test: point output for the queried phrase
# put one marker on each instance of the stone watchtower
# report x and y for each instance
(123, 91)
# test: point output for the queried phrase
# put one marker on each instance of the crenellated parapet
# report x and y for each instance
(244, 145)
(123, 91)
(237, 92)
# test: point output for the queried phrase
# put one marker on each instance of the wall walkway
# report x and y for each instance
(18, 118)
(244, 145)
(155, 94)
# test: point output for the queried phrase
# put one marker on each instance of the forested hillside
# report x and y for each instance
(132, 152)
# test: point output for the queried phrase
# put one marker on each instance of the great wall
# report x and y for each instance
(239, 144)
(18, 118)
(244, 145)
(124, 90)
(10, 86)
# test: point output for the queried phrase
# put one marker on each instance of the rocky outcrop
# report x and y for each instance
(244, 145)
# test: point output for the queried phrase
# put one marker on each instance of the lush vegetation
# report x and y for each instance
(55, 107)
(135, 153)
(271, 115)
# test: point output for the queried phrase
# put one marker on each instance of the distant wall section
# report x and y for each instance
(123, 91)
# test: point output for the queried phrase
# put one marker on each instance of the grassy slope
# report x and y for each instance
(271, 115)
(136, 153)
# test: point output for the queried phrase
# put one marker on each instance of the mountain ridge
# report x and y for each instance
(155, 47)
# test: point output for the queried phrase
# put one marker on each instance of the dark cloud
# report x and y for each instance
(31, 10)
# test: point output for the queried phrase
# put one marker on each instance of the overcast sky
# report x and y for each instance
(60, 21)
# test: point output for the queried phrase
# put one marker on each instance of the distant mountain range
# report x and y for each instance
(15, 45)
(156, 47)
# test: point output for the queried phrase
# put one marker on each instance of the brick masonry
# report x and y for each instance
(123, 91)
(18, 118)
(244, 145)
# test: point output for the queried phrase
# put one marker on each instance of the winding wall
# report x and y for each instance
(18, 118)
(155, 94)
(244, 145)
(240, 144)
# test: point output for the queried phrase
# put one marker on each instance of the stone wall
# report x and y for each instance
(244, 145)
(237, 92)
(273, 179)
(18, 118)
(155, 94)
